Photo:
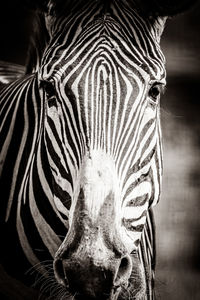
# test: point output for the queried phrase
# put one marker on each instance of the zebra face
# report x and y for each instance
(102, 76)
(80, 159)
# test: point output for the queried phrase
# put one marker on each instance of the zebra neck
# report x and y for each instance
(24, 141)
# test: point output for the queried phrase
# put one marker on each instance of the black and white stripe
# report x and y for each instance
(88, 102)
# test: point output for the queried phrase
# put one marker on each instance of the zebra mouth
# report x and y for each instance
(113, 296)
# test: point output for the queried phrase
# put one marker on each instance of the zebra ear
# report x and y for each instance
(167, 8)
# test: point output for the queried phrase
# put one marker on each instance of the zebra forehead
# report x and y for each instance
(119, 18)
(106, 38)
(110, 7)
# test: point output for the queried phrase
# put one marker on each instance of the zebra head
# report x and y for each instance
(101, 76)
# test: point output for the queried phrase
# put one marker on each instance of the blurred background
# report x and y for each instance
(178, 213)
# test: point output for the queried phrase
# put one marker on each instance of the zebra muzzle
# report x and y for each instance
(88, 278)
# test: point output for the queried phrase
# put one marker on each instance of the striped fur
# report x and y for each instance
(83, 134)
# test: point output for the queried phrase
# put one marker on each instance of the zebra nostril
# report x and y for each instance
(124, 264)
(124, 271)
(48, 87)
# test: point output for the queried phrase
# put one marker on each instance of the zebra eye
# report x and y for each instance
(155, 91)
(48, 88)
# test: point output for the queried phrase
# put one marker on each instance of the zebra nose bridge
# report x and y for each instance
(92, 251)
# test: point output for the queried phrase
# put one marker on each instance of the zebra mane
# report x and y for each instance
(39, 38)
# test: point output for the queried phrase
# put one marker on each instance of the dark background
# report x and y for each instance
(178, 214)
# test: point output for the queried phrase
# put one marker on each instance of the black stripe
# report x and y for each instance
(127, 223)
(138, 201)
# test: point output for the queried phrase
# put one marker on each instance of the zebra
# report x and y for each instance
(81, 154)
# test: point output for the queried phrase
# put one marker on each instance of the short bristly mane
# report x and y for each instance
(39, 38)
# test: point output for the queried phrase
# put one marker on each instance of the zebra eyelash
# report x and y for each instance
(155, 91)
(48, 88)
(50, 92)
